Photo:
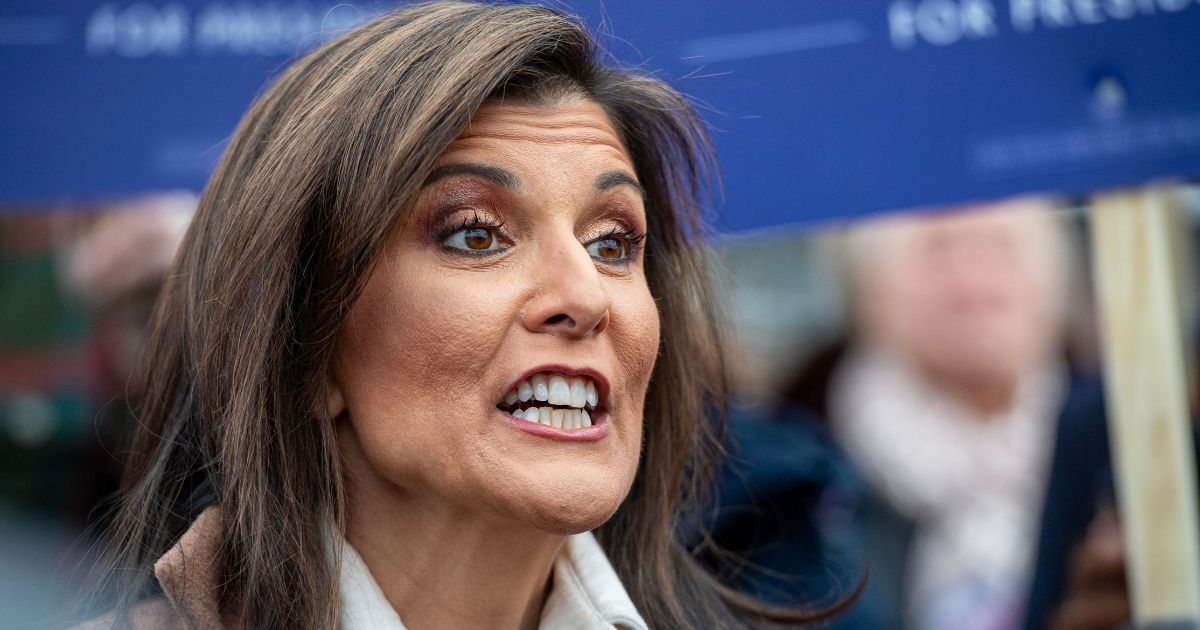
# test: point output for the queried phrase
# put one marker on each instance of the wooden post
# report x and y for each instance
(1142, 338)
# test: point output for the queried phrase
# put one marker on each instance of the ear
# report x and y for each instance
(335, 403)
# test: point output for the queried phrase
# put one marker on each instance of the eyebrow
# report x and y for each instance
(506, 178)
(495, 174)
(612, 179)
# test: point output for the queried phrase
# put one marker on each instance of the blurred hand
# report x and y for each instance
(1097, 597)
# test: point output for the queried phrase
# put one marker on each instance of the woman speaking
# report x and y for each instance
(436, 352)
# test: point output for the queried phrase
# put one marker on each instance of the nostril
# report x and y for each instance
(557, 319)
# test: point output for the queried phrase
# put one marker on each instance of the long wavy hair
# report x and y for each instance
(231, 395)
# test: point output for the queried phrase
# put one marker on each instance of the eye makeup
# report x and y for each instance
(629, 239)
(475, 229)
(461, 217)
(458, 204)
(618, 219)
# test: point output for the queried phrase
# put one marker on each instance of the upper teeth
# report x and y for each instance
(578, 392)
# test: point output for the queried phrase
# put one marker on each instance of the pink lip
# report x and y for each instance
(597, 378)
(593, 433)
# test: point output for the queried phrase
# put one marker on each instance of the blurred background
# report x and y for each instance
(901, 240)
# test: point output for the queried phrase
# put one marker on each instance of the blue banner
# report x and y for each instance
(820, 108)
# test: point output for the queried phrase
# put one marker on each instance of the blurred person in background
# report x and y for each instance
(918, 446)
(76, 285)
(946, 402)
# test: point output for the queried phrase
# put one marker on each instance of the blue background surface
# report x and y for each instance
(817, 110)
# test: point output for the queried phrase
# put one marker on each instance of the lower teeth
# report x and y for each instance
(557, 418)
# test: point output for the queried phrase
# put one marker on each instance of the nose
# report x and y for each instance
(570, 297)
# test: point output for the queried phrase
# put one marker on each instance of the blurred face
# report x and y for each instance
(499, 355)
(971, 296)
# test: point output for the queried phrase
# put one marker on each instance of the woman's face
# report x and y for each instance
(508, 312)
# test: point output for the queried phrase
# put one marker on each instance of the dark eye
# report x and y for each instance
(474, 239)
(608, 248)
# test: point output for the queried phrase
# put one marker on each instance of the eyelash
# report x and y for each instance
(632, 239)
(629, 236)
(467, 223)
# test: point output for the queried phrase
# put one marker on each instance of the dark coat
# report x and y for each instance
(1080, 483)
(793, 505)
(805, 526)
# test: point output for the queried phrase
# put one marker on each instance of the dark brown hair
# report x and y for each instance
(319, 172)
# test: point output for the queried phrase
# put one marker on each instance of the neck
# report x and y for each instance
(446, 566)
(984, 397)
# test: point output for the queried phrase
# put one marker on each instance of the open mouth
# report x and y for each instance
(555, 400)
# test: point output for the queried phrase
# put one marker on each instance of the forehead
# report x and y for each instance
(511, 131)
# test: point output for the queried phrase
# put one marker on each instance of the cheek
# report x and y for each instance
(412, 353)
(635, 334)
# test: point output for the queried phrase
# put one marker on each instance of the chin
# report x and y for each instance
(567, 504)
(569, 523)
